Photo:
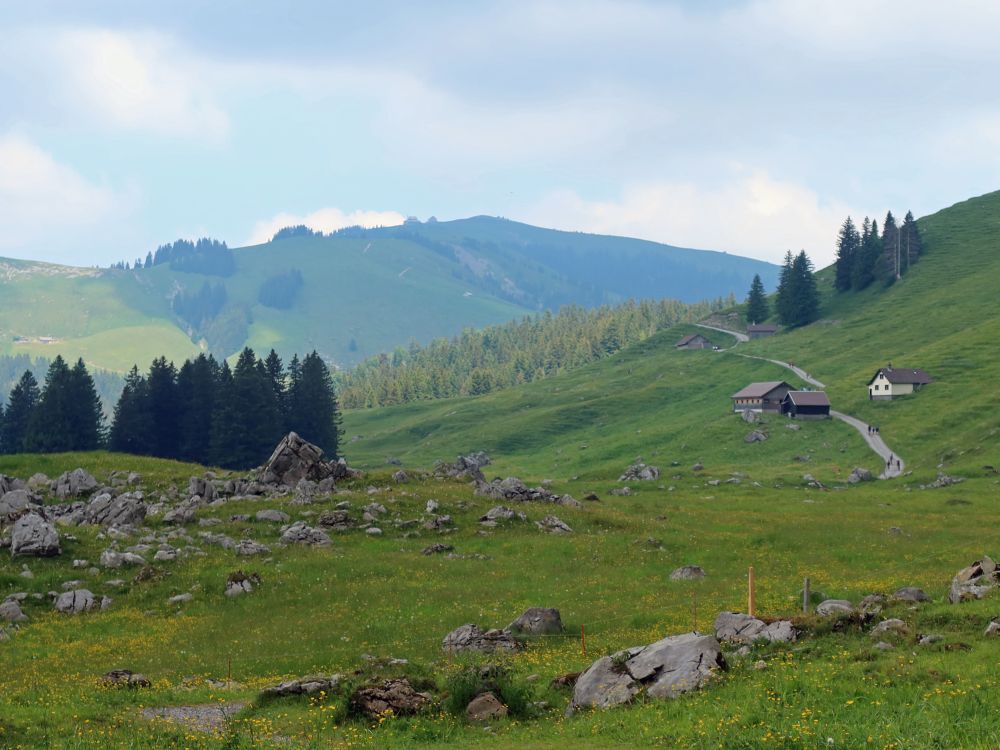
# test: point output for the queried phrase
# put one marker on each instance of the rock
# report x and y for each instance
(687, 573)
(248, 548)
(473, 638)
(834, 607)
(485, 707)
(698, 467)
(33, 535)
(929, 639)
(859, 474)
(501, 513)
(432, 506)
(16, 503)
(76, 483)
(275, 516)
(750, 416)
(793, 426)
(943, 480)
(294, 459)
(304, 686)
(400, 477)
(755, 436)
(239, 583)
(538, 621)
(112, 559)
(125, 678)
(300, 533)
(437, 549)
(165, 555)
(910, 594)
(871, 606)
(373, 531)
(975, 581)
(621, 491)
(125, 510)
(375, 509)
(993, 628)
(883, 646)
(10, 611)
(514, 490)
(640, 472)
(465, 467)
(664, 669)
(74, 602)
(397, 696)
(891, 626)
(553, 525)
(180, 598)
(78, 564)
(735, 627)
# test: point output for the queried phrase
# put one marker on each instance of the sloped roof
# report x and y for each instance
(809, 398)
(759, 390)
(903, 375)
(689, 338)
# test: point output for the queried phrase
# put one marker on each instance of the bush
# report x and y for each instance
(471, 680)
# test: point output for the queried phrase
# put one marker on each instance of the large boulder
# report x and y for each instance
(514, 490)
(975, 581)
(300, 533)
(10, 611)
(33, 535)
(755, 436)
(294, 459)
(831, 607)
(553, 525)
(485, 707)
(736, 627)
(77, 601)
(473, 638)
(665, 669)
(16, 503)
(538, 621)
(860, 474)
(687, 573)
(910, 594)
(125, 510)
(465, 467)
(76, 483)
(396, 696)
(639, 472)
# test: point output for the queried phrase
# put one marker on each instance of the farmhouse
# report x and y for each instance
(761, 330)
(761, 396)
(889, 382)
(694, 341)
(806, 405)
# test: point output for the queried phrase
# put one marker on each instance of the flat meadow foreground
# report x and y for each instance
(370, 607)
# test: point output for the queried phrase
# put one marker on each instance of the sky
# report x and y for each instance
(752, 127)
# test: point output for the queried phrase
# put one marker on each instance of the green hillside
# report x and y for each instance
(364, 292)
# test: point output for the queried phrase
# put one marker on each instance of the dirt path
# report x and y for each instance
(210, 717)
(890, 468)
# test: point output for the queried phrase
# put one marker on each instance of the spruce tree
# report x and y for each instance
(756, 301)
(197, 382)
(784, 303)
(20, 407)
(911, 246)
(51, 429)
(848, 248)
(313, 410)
(805, 294)
(131, 429)
(164, 411)
(865, 269)
(86, 411)
(276, 377)
(890, 248)
(223, 447)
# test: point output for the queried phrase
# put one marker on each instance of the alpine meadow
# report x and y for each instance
(287, 461)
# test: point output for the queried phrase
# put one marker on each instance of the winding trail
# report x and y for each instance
(890, 467)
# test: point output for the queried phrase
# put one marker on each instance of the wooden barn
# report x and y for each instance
(694, 341)
(889, 382)
(761, 396)
(761, 330)
(806, 405)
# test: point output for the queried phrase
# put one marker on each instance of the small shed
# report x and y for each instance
(694, 341)
(761, 330)
(761, 396)
(889, 382)
(806, 405)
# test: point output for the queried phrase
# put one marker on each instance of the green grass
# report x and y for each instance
(323, 609)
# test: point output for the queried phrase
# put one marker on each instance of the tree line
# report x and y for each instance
(206, 256)
(13, 367)
(865, 257)
(796, 302)
(204, 411)
(501, 356)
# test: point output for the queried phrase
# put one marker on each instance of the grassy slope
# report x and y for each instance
(321, 609)
(649, 400)
(942, 317)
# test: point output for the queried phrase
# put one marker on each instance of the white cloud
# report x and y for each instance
(323, 220)
(44, 203)
(751, 214)
(135, 81)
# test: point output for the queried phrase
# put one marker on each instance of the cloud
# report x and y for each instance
(752, 214)
(323, 220)
(45, 204)
(135, 81)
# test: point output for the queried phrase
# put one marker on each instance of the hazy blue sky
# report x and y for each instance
(752, 127)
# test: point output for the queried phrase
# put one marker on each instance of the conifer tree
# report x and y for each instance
(276, 377)
(86, 412)
(223, 440)
(17, 417)
(164, 411)
(131, 428)
(197, 382)
(50, 429)
(313, 410)
(757, 311)
(785, 303)
(848, 248)
(911, 246)
(890, 247)
(805, 294)
(865, 268)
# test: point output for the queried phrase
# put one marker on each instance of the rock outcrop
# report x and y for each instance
(735, 627)
(33, 535)
(665, 669)
(975, 581)
(76, 483)
(473, 638)
(295, 459)
(639, 472)
(396, 696)
(538, 621)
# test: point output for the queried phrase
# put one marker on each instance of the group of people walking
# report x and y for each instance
(872, 430)
(893, 462)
